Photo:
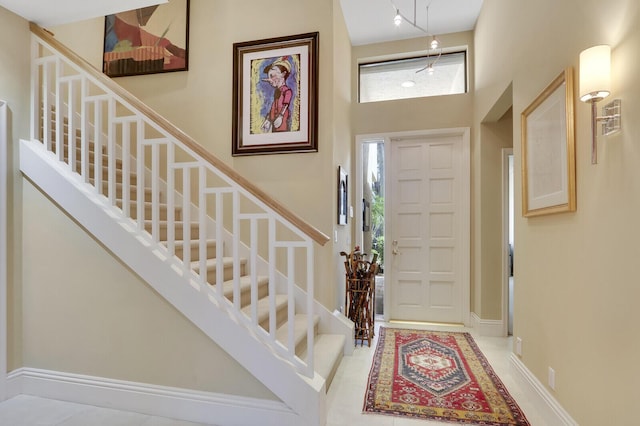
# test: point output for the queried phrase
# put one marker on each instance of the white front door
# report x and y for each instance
(427, 240)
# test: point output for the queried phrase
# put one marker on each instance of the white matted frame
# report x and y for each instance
(548, 150)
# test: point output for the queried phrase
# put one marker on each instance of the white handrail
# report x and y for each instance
(113, 131)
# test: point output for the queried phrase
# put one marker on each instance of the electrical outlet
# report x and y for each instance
(552, 378)
(518, 346)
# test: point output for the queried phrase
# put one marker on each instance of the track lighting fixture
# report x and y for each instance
(434, 44)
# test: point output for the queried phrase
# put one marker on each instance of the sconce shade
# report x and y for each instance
(595, 73)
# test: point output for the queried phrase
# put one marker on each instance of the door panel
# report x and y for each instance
(425, 233)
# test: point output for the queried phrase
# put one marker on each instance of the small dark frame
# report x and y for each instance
(343, 196)
(148, 40)
(275, 95)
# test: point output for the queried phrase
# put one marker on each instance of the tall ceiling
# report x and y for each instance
(368, 21)
(371, 21)
(48, 13)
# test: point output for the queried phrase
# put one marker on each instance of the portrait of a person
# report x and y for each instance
(278, 118)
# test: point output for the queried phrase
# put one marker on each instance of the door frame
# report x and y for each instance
(506, 153)
(465, 245)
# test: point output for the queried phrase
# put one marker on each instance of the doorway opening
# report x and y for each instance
(508, 233)
(372, 230)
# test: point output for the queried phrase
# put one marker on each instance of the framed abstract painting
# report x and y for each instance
(148, 40)
(275, 99)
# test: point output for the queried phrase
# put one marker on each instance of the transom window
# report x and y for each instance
(398, 79)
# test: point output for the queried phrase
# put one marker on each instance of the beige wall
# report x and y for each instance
(14, 88)
(494, 137)
(109, 305)
(342, 145)
(411, 114)
(576, 273)
(87, 313)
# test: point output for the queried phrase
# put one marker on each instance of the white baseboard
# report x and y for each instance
(552, 408)
(485, 327)
(176, 403)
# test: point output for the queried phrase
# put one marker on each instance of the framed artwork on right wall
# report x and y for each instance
(548, 150)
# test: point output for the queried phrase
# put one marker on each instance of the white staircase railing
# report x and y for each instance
(119, 146)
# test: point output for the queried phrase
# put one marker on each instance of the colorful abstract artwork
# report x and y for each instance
(148, 40)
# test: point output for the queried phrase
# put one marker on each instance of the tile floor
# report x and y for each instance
(344, 399)
(346, 395)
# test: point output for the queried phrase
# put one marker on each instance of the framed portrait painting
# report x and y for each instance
(149, 40)
(275, 95)
(548, 150)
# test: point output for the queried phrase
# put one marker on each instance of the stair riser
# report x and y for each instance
(281, 318)
(301, 347)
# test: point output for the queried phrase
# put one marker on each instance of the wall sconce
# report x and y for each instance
(595, 85)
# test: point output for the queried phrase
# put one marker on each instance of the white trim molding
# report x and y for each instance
(486, 327)
(176, 403)
(4, 132)
(549, 406)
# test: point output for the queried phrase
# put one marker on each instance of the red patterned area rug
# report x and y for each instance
(437, 376)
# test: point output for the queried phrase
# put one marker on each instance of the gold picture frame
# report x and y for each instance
(548, 150)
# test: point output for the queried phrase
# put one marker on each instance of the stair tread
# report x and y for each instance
(165, 223)
(299, 329)
(146, 203)
(213, 263)
(194, 243)
(119, 185)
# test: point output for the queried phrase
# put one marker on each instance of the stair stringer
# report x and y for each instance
(306, 397)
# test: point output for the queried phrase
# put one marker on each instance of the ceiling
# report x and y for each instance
(368, 21)
(371, 21)
(47, 13)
